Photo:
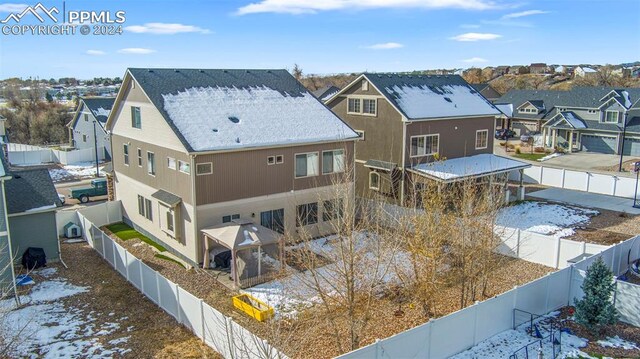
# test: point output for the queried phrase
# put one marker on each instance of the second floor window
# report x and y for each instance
(171, 163)
(354, 105)
(136, 120)
(369, 106)
(424, 145)
(611, 116)
(333, 161)
(306, 164)
(151, 163)
(86, 117)
(184, 167)
(125, 151)
(482, 138)
(84, 138)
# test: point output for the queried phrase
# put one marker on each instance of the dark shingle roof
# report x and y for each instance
(98, 106)
(166, 197)
(479, 87)
(323, 92)
(381, 165)
(29, 189)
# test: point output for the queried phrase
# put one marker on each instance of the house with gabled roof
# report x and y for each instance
(87, 128)
(486, 90)
(593, 119)
(416, 128)
(195, 149)
(326, 92)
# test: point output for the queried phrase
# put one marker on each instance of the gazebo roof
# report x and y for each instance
(241, 233)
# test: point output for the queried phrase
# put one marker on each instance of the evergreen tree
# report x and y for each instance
(596, 308)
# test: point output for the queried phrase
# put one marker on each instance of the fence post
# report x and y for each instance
(570, 283)
(158, 289)
(178, 301)
(430, 336)
(141, 277)
(104, 252)
(588, 180)
(115, 252)
(517, 242)
(615, 182)
(475, 322)
(546, 299)
(202, 324)
(564, 174)
(541, 174)
(126, 264)
(556, 255)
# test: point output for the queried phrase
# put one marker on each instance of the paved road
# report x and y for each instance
(65, 189)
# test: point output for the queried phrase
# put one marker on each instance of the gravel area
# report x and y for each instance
(608, 228)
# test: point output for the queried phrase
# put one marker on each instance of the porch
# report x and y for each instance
(567, 139)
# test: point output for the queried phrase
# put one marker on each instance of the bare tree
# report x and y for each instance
(297, 72)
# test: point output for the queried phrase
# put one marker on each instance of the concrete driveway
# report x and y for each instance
(585, 199)
(586, 161)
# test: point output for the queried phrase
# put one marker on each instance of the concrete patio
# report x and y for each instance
(585, 199)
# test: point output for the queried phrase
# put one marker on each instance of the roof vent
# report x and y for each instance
(248, 71)
(268, 71)
(176, 70)
(447, 99)
(237, 139)
(234, 119)
(225, 71)
(150, 70)
(201, 71)
(215, 130)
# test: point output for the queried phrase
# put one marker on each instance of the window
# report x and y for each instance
(171, 163)
(86, 117)
(84, 138)
(365, 86)
(139, 157)
(125, 151)
(279, 159)
(170, 220)
(482, 139)
(229, 218)
(332, 161)
(151, 163)
(424, 145)
(271, 160)
(332, 209)
(369, 106)
(528, 110)
(273, 219)
(184, 167)
(144, 208)
(204, 168)
(140, 205)
(306, 164)
(374, 181)
(591, 111)
(136, 120)
(354, 105)
(611, 116)
(361, 134)
(307, 214)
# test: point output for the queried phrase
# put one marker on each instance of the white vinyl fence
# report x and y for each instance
(217, 330)
(20, 155)
(459, 331)
(608, 184)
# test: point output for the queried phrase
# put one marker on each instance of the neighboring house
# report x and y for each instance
(583, 119)
(91, 117)
(193, 149)
(583, 71)
(501, 70)
(635, 73)
(623, 72)
(518, 70)
(32, 201)
(325, 93)
(487, 91)
(3, 129)
(7, 274)
(412, 124)
(538, 68)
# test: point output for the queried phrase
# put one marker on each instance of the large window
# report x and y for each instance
(204, 168)
(424, 145)
(482, 139)
(354, 105)
(333, 161)
(307, 164)
(125, 151)
(307, 214)
(151, 163)
(374, 181)
(369, 106)
(332, 209)
(230, 217)
(136, 120)
(611, 116)
(145, 208)
(273, 219)
(140, 205)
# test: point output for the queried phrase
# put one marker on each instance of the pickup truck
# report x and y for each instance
(98, 188)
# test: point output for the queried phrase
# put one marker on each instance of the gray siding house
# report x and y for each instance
(91, 117)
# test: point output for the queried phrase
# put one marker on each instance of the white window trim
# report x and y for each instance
(372, 173)
(333, 172)
(180, 167)
(127, 155)
(361, 134)
(362, 98)
(140, 112)
(155, 169)
(367, 113)
(272, 162)
(604, 119)
(139, 156)
(295, 162)
(354, 98)
(476, 144)
(281, 161)
(426, 154)
(205, 173)
(175, 163)
(365, 85)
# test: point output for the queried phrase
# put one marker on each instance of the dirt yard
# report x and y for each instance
(153, 333)
(608, 228)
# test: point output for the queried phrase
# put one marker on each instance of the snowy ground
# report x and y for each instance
(504, 344)
(45, 327)
(545, 218)
(73, 172)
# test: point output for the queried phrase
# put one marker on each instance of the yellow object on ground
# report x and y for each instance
(253, 307)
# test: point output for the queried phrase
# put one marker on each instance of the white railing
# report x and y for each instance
(600, 183)
(220, 332)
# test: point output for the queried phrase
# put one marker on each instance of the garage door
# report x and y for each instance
(521, 127)
(600, 144)
(632, 146)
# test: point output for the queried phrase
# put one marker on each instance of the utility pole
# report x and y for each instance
(95, 146)
(624, 133)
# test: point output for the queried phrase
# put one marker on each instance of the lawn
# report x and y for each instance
(530, 156)
(125, 232)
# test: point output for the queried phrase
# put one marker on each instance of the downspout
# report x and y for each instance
(59, 247)
(6, 221)
(192, 173)
(624, 134)
(404, 154)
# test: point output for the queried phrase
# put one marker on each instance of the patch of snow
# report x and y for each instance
(544, 218)
(421, 101)
(573, 120)
(550, 156)
(42, 208)
(469, 166)
(80, 170)
(47, 272)
(101, 111)
(329, 95)
(617, 342)
(226, 118)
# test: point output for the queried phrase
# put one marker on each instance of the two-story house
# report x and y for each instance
(198, 148)
(417, 127)
(87, 129)
(594, 119)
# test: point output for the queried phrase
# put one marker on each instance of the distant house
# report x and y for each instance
(91, 117)
(538, 68)
(325, 93)
(589, 119)
(586, 72)
(635, 72)
(487, 91)
(518, 70)
(3, 129)
(623, 72)
(501, 70)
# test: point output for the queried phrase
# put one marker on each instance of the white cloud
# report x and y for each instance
(314, 6)
(475, 60)
(12, 7)
(469, 26)
(516, 15)
(136, 51)
(95, 52)
(159, 28)
(384, 46)
(476, 36)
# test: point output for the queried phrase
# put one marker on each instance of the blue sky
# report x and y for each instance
(329, 36)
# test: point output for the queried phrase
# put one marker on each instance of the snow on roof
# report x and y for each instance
(505, 108)
(421, 101)
(329, 95)
(101, 111)
(573, 120)
(466, 167)
(216, 118)
(588, 69)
